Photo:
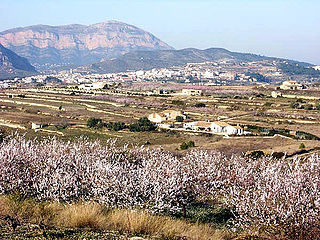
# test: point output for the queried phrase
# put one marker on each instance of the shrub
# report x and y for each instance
(277, 155)
(308, 107)
(184, 146)
(142, 125)
(256, 154)
(294, 105)
(200, 105)
(177, 102)
(302, 146)
(94, 123)
(179, 119)
(191, 144)
(268, 104)
(116, 126)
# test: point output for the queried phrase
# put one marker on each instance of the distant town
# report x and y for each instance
(207, 74)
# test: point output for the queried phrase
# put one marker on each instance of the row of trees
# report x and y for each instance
(142, 125)
(301, 104)
(281, 196)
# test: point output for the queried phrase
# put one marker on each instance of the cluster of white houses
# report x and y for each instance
(216, 127)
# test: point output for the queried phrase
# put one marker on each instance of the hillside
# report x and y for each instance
(52, 46)
(167, 58)
(12, 65)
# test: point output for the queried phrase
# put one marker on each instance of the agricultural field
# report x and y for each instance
(64, 113)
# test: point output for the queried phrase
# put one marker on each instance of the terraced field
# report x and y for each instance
(65, 114)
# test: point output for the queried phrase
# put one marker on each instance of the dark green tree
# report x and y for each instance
(302, 146)
(179, 119)
(94, 123)
(184, 146)
(116, 126)
(200, 105)
(142, 125)
(191, 144)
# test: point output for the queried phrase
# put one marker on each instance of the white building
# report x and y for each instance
(91, 86)
(291, 85)
(214, 127)
(191, 92)
(316, 68)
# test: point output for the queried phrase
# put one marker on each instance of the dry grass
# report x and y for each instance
(134, 222)
(82, 215)
(94, 216)
(139, 222)
(5, 209)
(29, 211)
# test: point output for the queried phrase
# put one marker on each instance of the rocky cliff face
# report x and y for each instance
(78, 44)
(12, 65)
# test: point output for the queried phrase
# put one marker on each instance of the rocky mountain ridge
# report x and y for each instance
(74, 45)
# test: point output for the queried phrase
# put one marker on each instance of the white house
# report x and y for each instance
(214, 127)
(36, 125)
(198, 126)
(291, 85)
(234, 130)
(191, 92)
(91, 86)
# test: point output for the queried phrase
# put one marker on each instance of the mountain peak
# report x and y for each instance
(77, 44)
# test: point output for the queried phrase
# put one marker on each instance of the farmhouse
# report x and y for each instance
(160, 92)
(166, 115)
(291, 85)
(36, 126)
(214, 127)
(191, 92)
(90, 86)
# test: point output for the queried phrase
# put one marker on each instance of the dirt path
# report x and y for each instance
(11, 125)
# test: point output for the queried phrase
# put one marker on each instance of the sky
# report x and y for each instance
(279, 28)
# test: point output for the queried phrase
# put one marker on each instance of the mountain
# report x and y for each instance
(12, 65)
(167, 58)
(48, 46)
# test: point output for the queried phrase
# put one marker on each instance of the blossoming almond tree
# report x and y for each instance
(281, 195)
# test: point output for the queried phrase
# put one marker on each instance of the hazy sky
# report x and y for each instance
(282, 28)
